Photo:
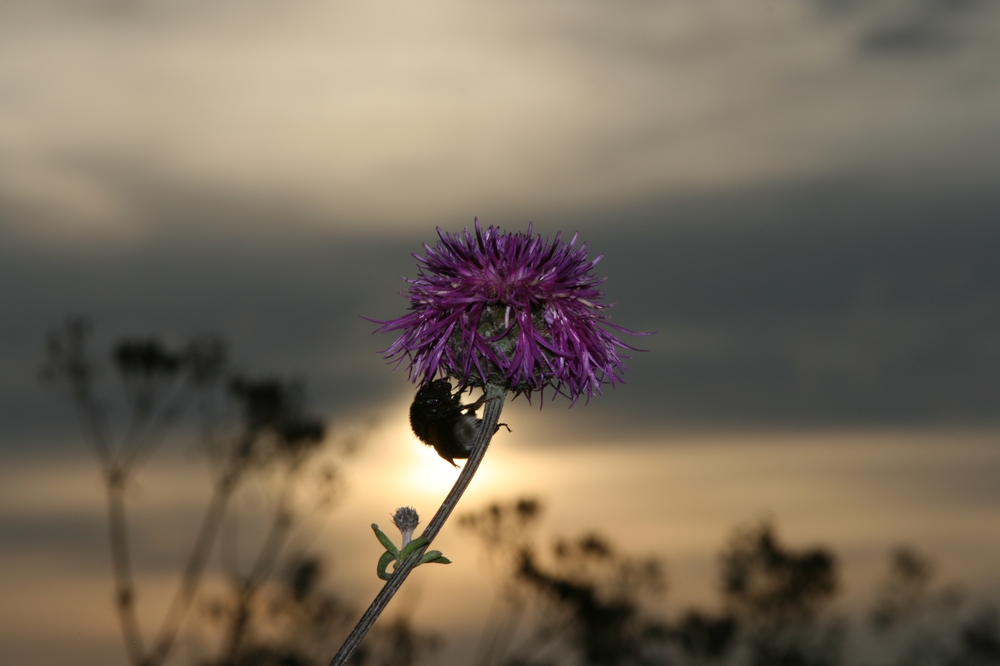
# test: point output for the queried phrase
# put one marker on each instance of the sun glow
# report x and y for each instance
(427, 472)
(419, 472)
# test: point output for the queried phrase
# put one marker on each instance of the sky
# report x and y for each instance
(798, 196)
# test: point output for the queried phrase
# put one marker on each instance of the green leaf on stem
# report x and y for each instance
(383, 562)
(393, 554)
(386, 541)
(434, 557)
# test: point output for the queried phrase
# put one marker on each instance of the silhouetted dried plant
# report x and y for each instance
(262, 616)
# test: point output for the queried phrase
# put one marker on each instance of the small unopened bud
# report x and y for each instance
(406, 519)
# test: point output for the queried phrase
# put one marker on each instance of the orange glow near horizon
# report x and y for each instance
(859, 493)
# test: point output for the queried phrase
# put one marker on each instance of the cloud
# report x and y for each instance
(820, 302)
(915, 27)
(57, 204)
(931, 26)
(264, 171)
(391, 115)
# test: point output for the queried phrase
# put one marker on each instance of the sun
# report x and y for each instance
(428, 472)
(419, 472)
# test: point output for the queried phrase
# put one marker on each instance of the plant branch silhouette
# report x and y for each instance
(160, 384)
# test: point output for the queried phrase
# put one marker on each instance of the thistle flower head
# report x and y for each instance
(406, 520)
(510, 309)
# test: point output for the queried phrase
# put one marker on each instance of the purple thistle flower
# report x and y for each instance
(508, 309)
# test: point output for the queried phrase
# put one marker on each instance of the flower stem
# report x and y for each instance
(495, 396)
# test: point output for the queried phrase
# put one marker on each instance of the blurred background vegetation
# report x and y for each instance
(577, 600)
